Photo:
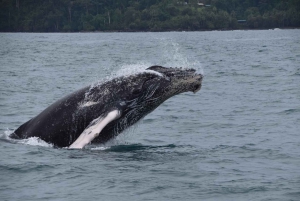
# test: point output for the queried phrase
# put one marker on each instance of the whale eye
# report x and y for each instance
(136, 91)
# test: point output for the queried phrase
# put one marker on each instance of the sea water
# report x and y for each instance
(238, 138)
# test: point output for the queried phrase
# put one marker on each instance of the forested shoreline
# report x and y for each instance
(146, 15)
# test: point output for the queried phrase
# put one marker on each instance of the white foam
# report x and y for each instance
(34, 141)
(100, 148)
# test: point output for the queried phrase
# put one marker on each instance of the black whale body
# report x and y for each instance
(133, 96)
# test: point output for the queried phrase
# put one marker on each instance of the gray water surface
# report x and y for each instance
(238, 138)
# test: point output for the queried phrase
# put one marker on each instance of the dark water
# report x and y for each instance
(238, 138)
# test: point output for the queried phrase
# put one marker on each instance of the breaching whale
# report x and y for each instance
(99, 112)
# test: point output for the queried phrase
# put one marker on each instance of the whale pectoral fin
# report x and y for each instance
(93, 131)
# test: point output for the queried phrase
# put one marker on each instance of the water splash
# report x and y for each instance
(168, 53)
(100, 148)
(129, 69)
(125, 70)
(174, 56)
(5, 135)
(33, 141)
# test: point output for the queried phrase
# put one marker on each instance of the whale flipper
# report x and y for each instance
(94, 129)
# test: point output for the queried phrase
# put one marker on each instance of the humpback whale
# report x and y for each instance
(101, 111)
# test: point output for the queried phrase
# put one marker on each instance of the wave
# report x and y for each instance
(137, 147)
(290, 111)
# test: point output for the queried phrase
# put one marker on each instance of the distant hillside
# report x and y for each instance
(146, 15)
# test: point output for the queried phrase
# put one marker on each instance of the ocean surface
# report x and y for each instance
(238, 138)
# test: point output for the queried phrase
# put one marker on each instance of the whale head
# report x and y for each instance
(154, 86)
(179, 79)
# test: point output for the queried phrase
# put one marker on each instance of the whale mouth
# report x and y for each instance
(196, 88)
(196, 82)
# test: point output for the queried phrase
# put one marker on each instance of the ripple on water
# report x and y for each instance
(236, 139)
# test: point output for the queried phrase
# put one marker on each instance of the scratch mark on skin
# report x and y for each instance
(89, 103)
